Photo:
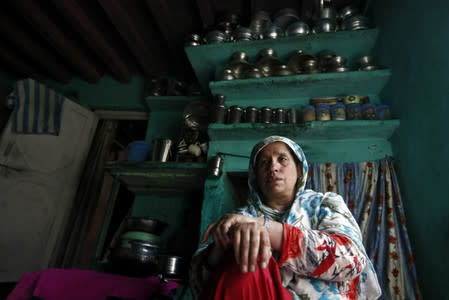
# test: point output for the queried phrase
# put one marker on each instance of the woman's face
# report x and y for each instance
(277, 173)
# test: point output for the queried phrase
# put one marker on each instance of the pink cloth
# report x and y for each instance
(57, 284)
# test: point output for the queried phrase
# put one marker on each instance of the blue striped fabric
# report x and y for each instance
(37, 109)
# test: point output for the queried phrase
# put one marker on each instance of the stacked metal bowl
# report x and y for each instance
(138, 250)
(352, 19)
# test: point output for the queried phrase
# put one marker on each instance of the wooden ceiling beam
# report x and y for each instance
(94, 38)
(62, 41)
(21, 67)
(175, 20)
(138, 34)
(28, 45)
(207, 12)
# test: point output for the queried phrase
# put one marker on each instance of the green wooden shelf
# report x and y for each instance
(350, 44)
(316, 130)
(290, 90)
(146, 177)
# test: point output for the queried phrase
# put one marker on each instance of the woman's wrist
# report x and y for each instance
(212, 256)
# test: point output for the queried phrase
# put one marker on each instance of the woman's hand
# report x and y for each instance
(249, 239)
(251, 244)
(220, 229)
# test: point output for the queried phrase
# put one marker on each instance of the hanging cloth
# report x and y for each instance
(37, 108)
(371, 191)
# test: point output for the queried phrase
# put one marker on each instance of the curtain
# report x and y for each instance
(372, 193)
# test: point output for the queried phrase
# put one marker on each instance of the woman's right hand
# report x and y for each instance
(248, 237)
(251, 243)
(220, 229)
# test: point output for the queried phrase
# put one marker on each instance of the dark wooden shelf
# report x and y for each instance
(143, 177)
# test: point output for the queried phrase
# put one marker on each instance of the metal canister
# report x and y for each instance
(279, 115)
(251, 113)
(265, 114)
(219, 99)
(215, 166)
(218, 114)
(235, 114)
(291, 115)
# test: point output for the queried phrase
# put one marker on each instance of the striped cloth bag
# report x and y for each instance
(37, 108)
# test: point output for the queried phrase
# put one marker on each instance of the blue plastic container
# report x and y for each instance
(138, 150)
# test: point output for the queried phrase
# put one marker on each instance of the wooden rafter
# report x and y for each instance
(75, 54)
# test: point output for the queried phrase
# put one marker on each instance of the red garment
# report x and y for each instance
(229, 283)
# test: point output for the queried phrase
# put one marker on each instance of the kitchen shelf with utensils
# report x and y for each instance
(351, 44)
(339, 141)
(297, 90)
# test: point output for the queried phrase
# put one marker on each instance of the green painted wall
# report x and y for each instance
(413, 41)
(107, 93)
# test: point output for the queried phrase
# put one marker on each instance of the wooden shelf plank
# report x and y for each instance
(316, 130)
(159, 176)
(292, 90)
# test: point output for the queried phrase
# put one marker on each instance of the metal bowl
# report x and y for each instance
(215, 37)
(282, 70)
(366, 60)
(149, 225)
(297, 29)
(254, 72)
(243, 34)
(284, 17)
(274, 32)
(259, 24)
(325, 25)
(348, 11)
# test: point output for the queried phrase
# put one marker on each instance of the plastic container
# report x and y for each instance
(338, 111)
(308, 113)
(369, 111)
(322, 112)
(383, 112)
(138, 150)
(353, 111)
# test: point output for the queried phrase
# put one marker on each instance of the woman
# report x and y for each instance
(288, 242)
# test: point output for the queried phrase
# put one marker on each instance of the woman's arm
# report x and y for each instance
(332, 251)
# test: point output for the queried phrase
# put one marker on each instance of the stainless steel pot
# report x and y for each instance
(171, 265)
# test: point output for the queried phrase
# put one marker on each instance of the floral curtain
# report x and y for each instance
(372, 193)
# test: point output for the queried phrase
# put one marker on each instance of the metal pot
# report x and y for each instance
(171, 265)
(146, 224)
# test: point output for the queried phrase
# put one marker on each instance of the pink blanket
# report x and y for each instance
(67, 284)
